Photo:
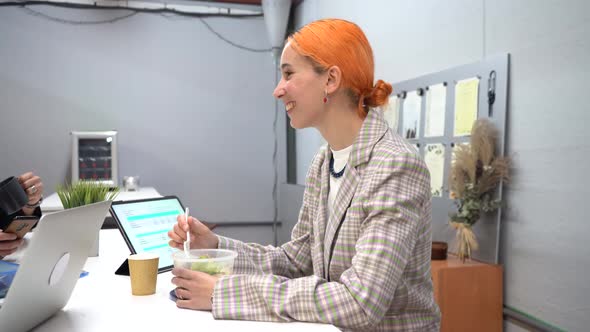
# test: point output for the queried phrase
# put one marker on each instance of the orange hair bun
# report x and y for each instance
(379, 95)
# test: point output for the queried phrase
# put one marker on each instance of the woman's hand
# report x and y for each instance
(33, 186)
(193, 288)
(9, 243)
(201, 236)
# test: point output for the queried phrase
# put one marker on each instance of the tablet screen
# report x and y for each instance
(145, 224)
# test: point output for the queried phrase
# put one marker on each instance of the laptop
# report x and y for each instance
(51, 266)
(144, 224)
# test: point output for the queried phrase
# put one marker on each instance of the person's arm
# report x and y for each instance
(292, 259)
(392, 208)
(252, 258)
(194, 289)
(9, 242)
(33, 187)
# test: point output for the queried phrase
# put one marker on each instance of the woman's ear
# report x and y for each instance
(334, 79)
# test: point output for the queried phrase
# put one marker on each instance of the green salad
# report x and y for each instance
(211, 268)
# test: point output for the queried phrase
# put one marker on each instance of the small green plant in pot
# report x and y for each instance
(85, 192)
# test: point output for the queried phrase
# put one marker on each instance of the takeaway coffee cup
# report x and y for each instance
(12, 196)
(143, 270)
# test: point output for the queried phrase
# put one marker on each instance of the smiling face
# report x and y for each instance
(301, 89)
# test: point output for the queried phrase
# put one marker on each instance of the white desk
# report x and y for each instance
(52, 202)
(102, 301)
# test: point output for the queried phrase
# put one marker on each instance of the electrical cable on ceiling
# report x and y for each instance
(71, 22)
(97, 5)
(232, 43)
(162, 11)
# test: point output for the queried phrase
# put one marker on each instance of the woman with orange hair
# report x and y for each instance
(359, 255)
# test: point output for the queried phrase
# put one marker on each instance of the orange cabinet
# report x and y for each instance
(469, 295)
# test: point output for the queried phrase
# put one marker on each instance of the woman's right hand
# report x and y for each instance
(9, 243)
(201, 236)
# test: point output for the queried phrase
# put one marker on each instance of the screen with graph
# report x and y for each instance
(145, 224)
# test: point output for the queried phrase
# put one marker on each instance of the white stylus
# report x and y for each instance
(187, 243)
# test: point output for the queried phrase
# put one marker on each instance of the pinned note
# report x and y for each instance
(466, 95)
(436, 99)
(411, 115)
(434, 156)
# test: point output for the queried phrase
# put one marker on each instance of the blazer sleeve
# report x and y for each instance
(392, 199)
(292, 259)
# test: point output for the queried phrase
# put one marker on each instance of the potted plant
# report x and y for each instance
(85, 192)
(475, 174)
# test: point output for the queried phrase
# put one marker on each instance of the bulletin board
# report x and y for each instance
(435, 113)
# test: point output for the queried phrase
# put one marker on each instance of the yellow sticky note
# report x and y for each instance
(466, 93)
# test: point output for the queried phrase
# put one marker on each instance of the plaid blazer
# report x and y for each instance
(366, 267)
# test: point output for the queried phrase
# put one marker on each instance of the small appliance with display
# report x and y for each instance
(94, 157)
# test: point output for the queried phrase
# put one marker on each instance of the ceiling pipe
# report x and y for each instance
(276, 17)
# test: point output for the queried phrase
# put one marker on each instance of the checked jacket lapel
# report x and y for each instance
(319, 220)
(341, 204)
(372, 130)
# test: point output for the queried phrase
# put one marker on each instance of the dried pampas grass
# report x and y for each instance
(483, 141)
(475, 174)
(466, 241)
